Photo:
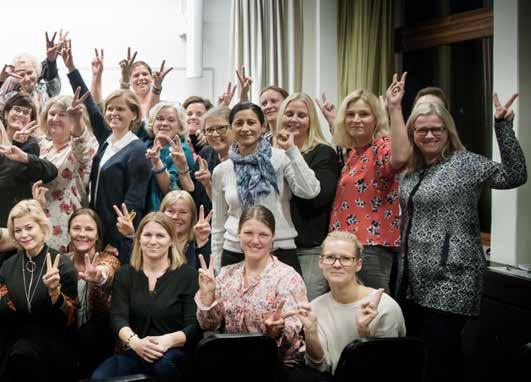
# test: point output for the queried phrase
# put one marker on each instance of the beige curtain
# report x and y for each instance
(365, 49)
(266, 37)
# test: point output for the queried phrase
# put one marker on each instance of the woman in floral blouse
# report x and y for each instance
(366, 201)
(69, 144)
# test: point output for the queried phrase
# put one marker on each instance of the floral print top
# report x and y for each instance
(240, 309)
(67, 192)
(366, 202)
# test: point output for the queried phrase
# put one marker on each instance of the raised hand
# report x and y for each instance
(13, 153)
(177, 154)
(147, 348)
(93, 273)
(97, 63)
(207, 281)
(158, 76)
(228, 94)
(153, 154)
(52, 49)
(202, 228)
(22, 135)
(245, 83)
(203, 175)
(285, 140)
(327, 108)
(68, 57)
(308, 319)
(274, 321)
(124, 220)
(126, 65)
(52, 278)
(75, 111)
(38, 192)
(367, 312)
(9, 71)
(505, 111)
(395, 91)
(201, 138)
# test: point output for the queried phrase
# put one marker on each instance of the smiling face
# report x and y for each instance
(141, 79)
(18, 117)
(296, 120)
(270, 101)
(119, 115)
(155, 241)
(167, 122)
(219, 134)
(194, 111)
(28, 234)
(26, 70)
(182, 215)
(338, 274)
(256, 240)
(83, 234)
(247, 130)
(360, 122)
(430, 136)
(59, 124)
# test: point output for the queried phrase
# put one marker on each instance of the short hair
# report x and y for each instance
(23, 100)
(196, 99)
(30, 208)
(260, 213)
(141, 63)
(241, 106)
(181, 117)
(315, 135)
(173, 197)
(65, 101)
(345, 236)
(131, 100)
(26, 57)
(283, 92)
(176, 257)
(417, 161)
(434, 91)
(94, 216)
(221, 111)
(341, 136)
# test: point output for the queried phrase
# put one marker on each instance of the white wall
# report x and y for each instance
(151, 28)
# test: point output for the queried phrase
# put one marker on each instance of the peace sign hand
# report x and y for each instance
(505, 111)
(308, 319)
(367, 312)
(285, 140)
(52, 49)
(126, 65)
(52, 278)
(228, 94)
(158, 77)
(245, 83)
(207, 281)
(9, 71)
(67, 55)
(153, 154)
(22, 135)
(13, 153)
(202, 228)
(327, 108)
(75, 111)
(395, 91)
(92, 273)
(124, 220)
(274, 321)
(38, 192)
(203, 175)
(97, 63)
(177, 154)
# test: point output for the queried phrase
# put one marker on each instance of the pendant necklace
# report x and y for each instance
(30, 267)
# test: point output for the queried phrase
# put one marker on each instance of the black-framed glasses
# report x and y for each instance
(221, 130)
(435, 131)
(25, 111)
(346, 261)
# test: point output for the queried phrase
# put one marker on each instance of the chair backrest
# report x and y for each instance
(237, 357)
(382, 359)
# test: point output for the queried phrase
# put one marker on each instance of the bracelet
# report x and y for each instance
(155, 90)
(55, 292)
(187, 171)
(160, 171)
(128, 341)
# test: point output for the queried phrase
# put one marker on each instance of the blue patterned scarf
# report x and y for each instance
(255, 175)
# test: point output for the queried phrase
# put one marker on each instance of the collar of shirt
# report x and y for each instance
(122, 142)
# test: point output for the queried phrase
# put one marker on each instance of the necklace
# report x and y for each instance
(30, 267)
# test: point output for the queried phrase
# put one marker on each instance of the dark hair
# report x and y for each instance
(97, 220)
(278, 89)
(141, 63)
(247, 106)
(260, 213)
(23, 100)
(434, 91)
(195, 99)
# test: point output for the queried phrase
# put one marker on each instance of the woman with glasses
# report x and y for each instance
(350, 310)
(442, 255)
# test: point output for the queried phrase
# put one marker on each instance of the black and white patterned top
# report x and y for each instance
(440, 223)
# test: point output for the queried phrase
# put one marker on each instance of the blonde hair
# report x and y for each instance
(315, 135)
(341, 136)
(216, 112)
(345, 236)
(131, 100)
(65, 102)
(176, 257)
(181, 117)
(173, 197)
(32, 209)
(453, 143)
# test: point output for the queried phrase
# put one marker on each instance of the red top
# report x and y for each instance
(366, 202)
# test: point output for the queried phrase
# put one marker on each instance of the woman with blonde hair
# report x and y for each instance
(366, 201)
(297, 117)
(153, 309)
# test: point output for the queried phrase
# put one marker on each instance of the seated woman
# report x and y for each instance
(256, 294)
(350, 310)
(37, 303)
(96, 271)
(153, 309)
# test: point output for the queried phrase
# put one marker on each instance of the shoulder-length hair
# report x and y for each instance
(95, 217)
(315, 135)
(32, 209)
(173, 197)
(453, 143)
(176, 257)
(181, 117)
(131, 100)
(65, 101)
(341, 136)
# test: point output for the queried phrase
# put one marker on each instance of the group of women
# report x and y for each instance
(291, 237)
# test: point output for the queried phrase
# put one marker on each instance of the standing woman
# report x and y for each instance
(195, 107)
(37, 303)
(366, 201)
(271, 97)
(257, 173)
(20, 118)
(442, 253)
(153, 309)
(297, 116)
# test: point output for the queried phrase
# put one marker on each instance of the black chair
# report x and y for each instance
(237, 357)
(382, 359)
(125, 378)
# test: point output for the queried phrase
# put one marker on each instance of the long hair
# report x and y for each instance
(95, 217)
(131, 100)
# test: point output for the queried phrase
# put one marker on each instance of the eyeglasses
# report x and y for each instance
(346, 261)
(26, 111)
(435, 131)
(221, 130)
